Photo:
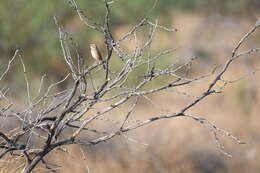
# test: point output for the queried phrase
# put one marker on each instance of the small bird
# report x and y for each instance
(95, 52)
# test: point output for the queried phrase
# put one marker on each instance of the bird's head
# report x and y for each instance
(92, 46)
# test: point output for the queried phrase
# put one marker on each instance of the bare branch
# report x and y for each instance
(59, 118)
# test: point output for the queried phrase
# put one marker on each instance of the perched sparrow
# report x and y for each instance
(95, 52)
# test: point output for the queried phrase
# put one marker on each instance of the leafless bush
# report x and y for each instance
(56, 119)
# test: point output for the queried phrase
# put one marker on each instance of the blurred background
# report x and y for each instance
(207, 29)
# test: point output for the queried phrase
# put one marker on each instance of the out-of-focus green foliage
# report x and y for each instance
(29, 24)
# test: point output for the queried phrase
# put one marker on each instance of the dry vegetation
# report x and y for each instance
(174, 145)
